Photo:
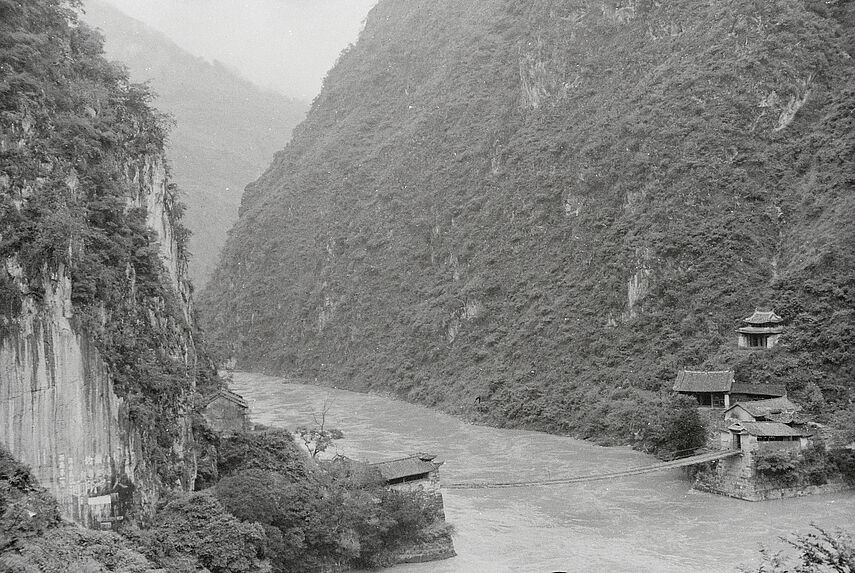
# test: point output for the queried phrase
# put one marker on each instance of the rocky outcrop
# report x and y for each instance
(434, 545)
(60, 412)
(61, 415)
(98, 364)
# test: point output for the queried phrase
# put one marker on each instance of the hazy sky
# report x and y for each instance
(287, 45)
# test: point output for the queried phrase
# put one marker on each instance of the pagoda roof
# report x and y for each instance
(763, 317)
(760, 329)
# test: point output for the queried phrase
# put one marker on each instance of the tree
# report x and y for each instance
(681, 429)
(198, 525)
(271, 449)
(842, 425)
(318, 437)
(819, 551)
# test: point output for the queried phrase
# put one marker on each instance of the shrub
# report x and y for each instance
(819, 551)
(199, 526)
(814, 466)
(682, 430)
(272, 450)
(26, 509)
(777, 467)
(842, 425)
(340, 514)
(844, 461)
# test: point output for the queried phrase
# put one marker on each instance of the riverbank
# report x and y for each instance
(649, 523)
(659, 423)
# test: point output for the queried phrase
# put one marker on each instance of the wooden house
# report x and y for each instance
(226, 412)
(417, 472)
(717, 388)
(761, 330)
(769, 410)
(763, 437)
(709, 388)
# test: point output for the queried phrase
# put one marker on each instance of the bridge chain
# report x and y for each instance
(678, 463)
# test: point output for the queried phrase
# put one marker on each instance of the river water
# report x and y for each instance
(651, 522)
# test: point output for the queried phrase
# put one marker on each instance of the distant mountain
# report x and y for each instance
(536, 213)
(227, 129)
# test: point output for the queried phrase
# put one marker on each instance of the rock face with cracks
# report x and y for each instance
(98, 363)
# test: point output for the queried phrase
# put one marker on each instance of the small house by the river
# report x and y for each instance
(738, 476)
(717, 388)
(226, 412)
(416, 472)
(761, 330)
(770, 410)
(763, 437)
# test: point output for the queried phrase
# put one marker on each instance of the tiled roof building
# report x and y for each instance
(761, 330)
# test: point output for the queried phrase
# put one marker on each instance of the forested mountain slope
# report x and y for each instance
(555, 205)
(226, 129)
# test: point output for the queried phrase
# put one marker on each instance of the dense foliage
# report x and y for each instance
(275, 510)
(79, 144)
(33, 538)
(198, 526)
(815, 465)
(537, 212)
(337, 515)
(269, 450)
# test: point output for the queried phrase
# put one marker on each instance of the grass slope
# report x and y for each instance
(555, 206)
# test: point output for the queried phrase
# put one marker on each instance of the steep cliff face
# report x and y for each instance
(98, 364)
(61, 415)
(555, 205)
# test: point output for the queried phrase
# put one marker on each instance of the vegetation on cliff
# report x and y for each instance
(33, 538)
(80, 151)
(554, 206)
(274, 509)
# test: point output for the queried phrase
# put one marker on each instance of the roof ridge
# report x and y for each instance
(708, 371)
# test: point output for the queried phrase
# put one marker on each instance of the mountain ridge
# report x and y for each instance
(554, 207)
(227, 128)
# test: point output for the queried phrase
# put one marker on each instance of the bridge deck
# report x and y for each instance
(661, 466)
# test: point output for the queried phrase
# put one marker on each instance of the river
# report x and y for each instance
(652, 522)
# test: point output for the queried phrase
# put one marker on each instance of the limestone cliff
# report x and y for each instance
(61, 413)
(98, 364)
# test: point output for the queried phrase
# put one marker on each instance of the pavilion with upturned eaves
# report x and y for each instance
(761, 330)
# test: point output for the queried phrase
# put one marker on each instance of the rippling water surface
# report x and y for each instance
(652, 522)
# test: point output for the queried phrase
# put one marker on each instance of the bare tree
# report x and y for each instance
(318, 437)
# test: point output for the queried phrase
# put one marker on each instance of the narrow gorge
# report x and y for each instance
(536, 214)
